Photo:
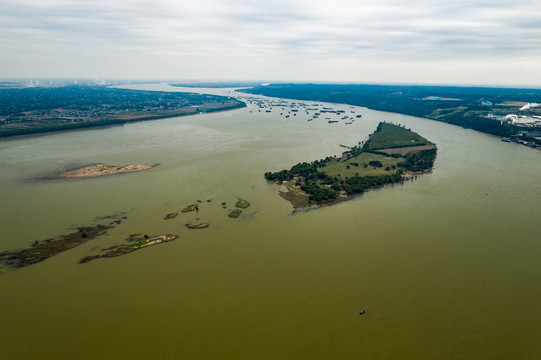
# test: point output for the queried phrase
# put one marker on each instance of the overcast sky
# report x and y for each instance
(491, 42)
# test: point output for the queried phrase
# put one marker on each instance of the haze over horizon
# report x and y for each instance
(477, 42)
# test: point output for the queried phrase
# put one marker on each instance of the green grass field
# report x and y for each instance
(393, 136)
(340, 168)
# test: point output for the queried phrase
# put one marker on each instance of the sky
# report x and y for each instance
(474, 42)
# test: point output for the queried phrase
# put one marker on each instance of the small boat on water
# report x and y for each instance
(333, 121)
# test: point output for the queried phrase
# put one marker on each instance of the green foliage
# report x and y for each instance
(243, 204)
(189, 208)
(319, 193)
(419, 161)
(389, 135)
(359, 184)
(306, 170)
(375, 163)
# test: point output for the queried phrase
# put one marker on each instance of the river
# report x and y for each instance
(445, 267)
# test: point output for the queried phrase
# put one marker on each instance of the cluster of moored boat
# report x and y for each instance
(314, 110)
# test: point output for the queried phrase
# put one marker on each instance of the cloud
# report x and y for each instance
(193, 38)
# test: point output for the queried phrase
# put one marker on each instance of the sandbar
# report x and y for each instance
(101, 169)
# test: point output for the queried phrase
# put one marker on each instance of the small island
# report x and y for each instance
(101, 169)
(235, 213)
(171, 215)
(190, 208)
(391, 154)
(136, 244)
(243, 204)
(42, 250)
(197, 226)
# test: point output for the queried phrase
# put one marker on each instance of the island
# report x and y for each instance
(235, 213)
(189, 208)
(136, 244)
(391, 154)
(197, 226)
(42, 250)
(241, 204)
(171, 215)
(101, 169)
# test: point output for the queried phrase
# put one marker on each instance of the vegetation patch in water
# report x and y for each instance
(189, 208)
(235, 213)
(197, 226)
(243, 204)
(42, 250)
(137, 243)
(171, 215)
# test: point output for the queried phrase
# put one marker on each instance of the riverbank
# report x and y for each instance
(42, 110)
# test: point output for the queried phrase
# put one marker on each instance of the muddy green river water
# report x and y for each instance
(446, 267)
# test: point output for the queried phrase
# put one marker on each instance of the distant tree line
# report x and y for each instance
(36, 109)
(15, 101)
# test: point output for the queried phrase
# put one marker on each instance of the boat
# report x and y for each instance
(333, 121)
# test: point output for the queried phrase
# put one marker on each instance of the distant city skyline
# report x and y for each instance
(477, 42)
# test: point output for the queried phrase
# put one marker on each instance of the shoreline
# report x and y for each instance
(112, 121)
(299, 199)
